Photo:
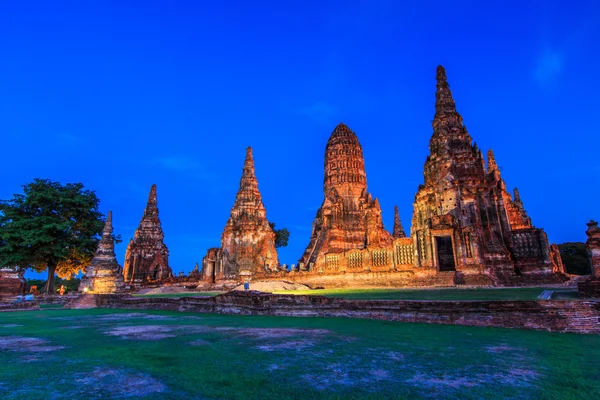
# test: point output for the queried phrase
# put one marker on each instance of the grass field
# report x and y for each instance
(166, 355)
(428, 294)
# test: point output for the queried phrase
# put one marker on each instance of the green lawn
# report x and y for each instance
(97, 353)
(52, 305)
(427, 294)
(178, 295)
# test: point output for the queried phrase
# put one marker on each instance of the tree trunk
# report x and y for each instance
(50, 281)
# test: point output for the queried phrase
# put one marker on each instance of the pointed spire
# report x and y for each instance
(444, 103)
(249, 163)
(398, 230)
(152, 204)
(517, 199)
(106, 245)
(248, 200)
(492, 166)
(108, 227)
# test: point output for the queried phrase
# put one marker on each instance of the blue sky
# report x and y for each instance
(120, 95)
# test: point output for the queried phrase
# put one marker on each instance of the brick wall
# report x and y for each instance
(544, 315)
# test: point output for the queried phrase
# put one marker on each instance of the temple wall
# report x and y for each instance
(542, 315)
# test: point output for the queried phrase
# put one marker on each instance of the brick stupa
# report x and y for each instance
(147, 256)
(464, 218)
(248, 241)
(591, 287)
(349, 218)
(103, 275)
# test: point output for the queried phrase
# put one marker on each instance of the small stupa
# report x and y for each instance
(104, 274)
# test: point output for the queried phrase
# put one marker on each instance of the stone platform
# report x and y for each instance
(589, 289)
(542, 315)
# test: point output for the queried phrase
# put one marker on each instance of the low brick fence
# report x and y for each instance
(26, 305)
(579, 316)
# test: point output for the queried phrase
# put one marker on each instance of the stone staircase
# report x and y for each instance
(83, 301)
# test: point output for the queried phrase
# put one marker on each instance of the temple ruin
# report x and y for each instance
(349, 220)
(248, 241)
(591, 287)
(466, 227)
(464, 219)
(147, 256)
(103, 275)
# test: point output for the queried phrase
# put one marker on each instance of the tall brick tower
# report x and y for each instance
(147, 256)
(349, 217)
(464, 219)
(248, 241)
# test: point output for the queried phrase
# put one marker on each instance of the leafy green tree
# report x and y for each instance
(575, 258)
(282, 236)
(51, 227)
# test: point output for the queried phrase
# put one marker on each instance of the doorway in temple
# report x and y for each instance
(445, 253)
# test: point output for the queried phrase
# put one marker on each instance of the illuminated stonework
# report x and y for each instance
(147, 256)
(464, 218)
(349, 217)
(466, 227)
(12, 281)
(103, 275)
(248, 241)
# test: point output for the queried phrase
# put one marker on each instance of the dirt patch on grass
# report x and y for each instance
(298, 345)
(26, 344)
(155, 332)
(200, 342)
(456, 382)
(142, 332)
(280, 333)
(501, 349)
(119, 383)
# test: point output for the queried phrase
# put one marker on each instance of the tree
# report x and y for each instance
(282, 236)
(50, 227)
(575, 258)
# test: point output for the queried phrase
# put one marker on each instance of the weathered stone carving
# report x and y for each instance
(466, 227)
(248, 241)
(591, 287)
(103, 275)
(398, 229)
(349, 217)
(147, 256)
(593, 247)
(12, 281)
(464, 219)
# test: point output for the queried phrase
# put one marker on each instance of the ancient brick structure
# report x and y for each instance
(545, 315)
(398, 229)
(12, 281)
(248, 241)
(593, 247)
(464, 219)
(147, 256)
(103, 275)
(349, 220)
(466, 227)
(591, 287)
